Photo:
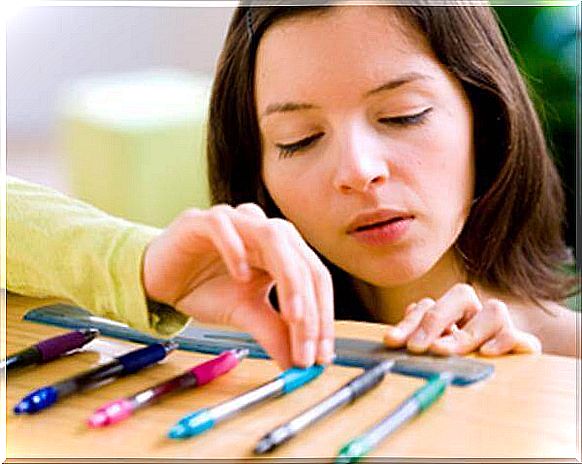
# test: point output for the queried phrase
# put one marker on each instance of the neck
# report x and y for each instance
(389, 303)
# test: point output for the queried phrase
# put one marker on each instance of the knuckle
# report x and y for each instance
(251, 208)
(189, 214)
(433, 318)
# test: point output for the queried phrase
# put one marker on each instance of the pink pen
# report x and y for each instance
(199, 375)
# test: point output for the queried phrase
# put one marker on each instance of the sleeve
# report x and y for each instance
(60, 247)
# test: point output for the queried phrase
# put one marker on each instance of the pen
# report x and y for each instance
(205, 418)
(199, 375)
(344, 395)
(412, 406)
(122, 365)
(49, 349)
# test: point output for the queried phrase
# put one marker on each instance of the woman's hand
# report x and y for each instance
(459, 323)
(218, 266)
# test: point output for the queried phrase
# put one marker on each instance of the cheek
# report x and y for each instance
(292, 191)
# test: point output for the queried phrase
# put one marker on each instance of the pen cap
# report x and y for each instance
(297, 377)
(55, 347)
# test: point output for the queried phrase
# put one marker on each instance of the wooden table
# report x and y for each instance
(527, 409)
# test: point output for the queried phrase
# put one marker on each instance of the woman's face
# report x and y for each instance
(366, 141)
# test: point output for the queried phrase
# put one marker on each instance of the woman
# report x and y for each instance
(401, 145)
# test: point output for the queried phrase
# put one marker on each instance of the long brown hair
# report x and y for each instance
(512, 240)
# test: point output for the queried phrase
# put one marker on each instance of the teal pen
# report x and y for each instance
(412, 406)
(206, 418)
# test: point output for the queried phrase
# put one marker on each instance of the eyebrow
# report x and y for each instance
(288, 107)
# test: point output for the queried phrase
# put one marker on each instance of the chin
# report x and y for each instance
(391, 273)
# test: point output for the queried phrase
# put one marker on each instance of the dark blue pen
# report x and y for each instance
(123, 365)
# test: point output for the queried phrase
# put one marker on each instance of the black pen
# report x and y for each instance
(346, 394)
(49, 349)
(122, 365)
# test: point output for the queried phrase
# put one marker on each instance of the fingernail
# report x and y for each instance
(309, 352)
(326, 348)
(418, 340)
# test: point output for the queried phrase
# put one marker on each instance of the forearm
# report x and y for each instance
(58, 246)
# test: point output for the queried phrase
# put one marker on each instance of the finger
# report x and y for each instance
(220, 230)
(277, 249)
(483, 326)
(514, 341)
(323, 291)
(396, 336)
(268, 329)
(460, 302)
(251, 209)
(269, 250)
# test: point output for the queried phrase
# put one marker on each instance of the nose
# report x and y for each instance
(360, 164)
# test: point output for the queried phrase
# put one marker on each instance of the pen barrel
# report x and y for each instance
(22, 359)
(368, 380)
(150, 395)
(246, 400)
(388, 425)
(89, 378)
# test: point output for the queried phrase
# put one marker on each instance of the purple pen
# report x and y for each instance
(49, 349)
(199, 375)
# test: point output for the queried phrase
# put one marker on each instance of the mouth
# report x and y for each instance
(381, 228)
(377, 219)
(378, 224)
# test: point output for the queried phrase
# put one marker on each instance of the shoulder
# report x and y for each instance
(553, 323)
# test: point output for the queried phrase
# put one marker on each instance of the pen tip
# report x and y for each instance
(177, 432)
(22, 408)
(99, 419)
(263, 446)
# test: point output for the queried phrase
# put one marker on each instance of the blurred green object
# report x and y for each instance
(135, 143)
(543, 39)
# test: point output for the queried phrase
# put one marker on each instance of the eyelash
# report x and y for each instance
(287, 150)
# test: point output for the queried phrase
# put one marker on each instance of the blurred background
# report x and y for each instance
(107, 103)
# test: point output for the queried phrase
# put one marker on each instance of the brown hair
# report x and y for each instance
(512, 240)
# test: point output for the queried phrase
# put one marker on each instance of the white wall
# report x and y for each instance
(49, 46)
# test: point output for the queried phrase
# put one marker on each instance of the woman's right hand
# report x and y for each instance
(218, 266)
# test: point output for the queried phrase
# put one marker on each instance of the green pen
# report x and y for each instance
(412, 406)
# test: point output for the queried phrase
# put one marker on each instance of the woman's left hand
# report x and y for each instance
(460, 323)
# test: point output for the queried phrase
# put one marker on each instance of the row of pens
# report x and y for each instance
(206, 418)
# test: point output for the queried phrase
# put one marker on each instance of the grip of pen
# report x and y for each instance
(208, 371)
(297, 377)
(432, 391)
(136, 360)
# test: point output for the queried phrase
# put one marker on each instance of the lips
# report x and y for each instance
(369, 221)
(380, 228)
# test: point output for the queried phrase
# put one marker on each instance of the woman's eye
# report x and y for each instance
(287, 150)
(408, 120)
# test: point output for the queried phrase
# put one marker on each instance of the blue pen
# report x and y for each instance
(123, 365)
(205, 418)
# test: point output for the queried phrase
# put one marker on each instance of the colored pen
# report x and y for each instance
(199, 375)
(412, 406)
(344, 395)
(49, 349)
(122, 365)
(205, 418)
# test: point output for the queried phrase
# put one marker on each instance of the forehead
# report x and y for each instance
(343, 45)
